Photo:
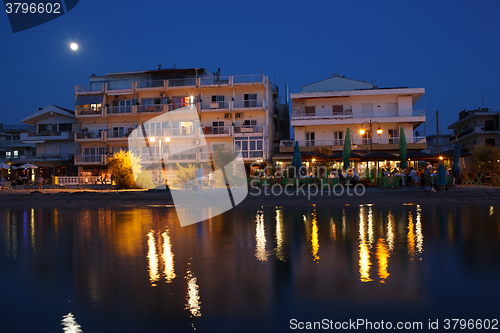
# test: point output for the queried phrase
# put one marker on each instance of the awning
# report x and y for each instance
(89, 99)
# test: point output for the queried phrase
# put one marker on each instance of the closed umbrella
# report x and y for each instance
(402, 151)
(296, 159)
(346, 154)
(455, 170)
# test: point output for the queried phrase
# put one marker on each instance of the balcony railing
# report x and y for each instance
(248, 79)
(120, 85)
(215, 105)
(354, 141)
(119, 110)
(88, 135)
(88, 111)
(150, 84)
(246, 104)
(182, 82)
(150, 108)
(183, 131)
(214, 80)
(245, 129)
(115, 134)
(94, 86)
(94, 159)
(302, 115)
(181, 157)
(217, 130)
(55, 157)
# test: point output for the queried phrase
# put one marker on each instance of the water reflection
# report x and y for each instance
(279, 234)
(193, 298)
(110, 258)
(70, 325)
(260, 237)
(314, 238)
(154, 276)
(168, 258)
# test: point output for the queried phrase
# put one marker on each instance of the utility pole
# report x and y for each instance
(437, 132)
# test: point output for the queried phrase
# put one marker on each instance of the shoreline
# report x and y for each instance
(88, 198)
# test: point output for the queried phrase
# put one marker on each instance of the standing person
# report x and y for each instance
(211, 179)
(199, 177)
(354, 177)
(40, 181)
(441, 176)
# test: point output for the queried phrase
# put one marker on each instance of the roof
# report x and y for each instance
(47, 112)
(161, 71)
(337, 83)
(467, 116)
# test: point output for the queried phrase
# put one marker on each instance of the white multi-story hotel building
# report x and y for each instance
(323, 111)
(233, 111)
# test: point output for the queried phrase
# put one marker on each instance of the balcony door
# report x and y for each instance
(310, 138)
(338, 138)
(393, 136)
(250, 100)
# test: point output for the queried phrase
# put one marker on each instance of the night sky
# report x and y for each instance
(449, 48)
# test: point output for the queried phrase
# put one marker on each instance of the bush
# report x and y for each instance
(485, 159)
(184, 175)
(126, 167)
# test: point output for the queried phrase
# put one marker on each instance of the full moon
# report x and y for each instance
(74, 46)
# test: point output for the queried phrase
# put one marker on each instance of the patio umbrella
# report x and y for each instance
(346, 154)
(379, 156)
(28, 166)
(296, 159)
(338, 156)
(455, 170)
(402, 152)
(4, 166)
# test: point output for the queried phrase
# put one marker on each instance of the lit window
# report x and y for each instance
(16, 153)
(7, 154)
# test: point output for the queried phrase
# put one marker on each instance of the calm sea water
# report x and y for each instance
(249, 270)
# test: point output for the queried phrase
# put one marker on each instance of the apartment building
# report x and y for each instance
(322, 112)
(54, 140)
(12, 148)
(476, 127)
(233, 111)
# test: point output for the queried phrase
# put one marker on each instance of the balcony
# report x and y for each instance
(119, 110)
(240, 130)
(185, 82)
(217, 131)
(156, 108)
(121, 86)
(347, 114)
(86, 136)
(55, 157)
(183, 157)
(474, 130)
(362, 143)
(249, 104)
(118, 134)
(188, 131)
(215, 106)
(90, 88)
(214, 81)
(146, 84)
(45, 136)
(248, 79)
(91, 159)
(89, 112)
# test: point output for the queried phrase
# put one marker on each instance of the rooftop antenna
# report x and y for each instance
(482, 100)
(174, 65)
(159, 66)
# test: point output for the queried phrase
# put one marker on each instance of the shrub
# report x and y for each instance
(184, 175)
(486, 159)
(125, 165)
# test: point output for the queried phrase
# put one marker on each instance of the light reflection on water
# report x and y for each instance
(111, 258)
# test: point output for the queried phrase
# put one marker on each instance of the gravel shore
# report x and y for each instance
(85, 198)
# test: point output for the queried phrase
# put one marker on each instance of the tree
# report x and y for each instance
(486, 159)
(126, 167)
(184, 175)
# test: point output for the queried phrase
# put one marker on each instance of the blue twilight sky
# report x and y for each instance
(449, 48)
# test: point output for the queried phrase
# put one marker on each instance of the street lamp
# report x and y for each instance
(362, 131)
(160, 140)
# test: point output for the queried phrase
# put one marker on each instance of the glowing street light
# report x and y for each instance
(362, 131)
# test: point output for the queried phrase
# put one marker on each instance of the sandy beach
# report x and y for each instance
(86, 198)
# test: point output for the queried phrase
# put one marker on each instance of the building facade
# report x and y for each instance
(476, 127)
(12, 148)
(54, 140)
(233, 111)
(432, 143)
(322, 112)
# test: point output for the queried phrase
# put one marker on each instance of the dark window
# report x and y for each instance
(490, 142)
(338, 109)
(310, 110)
(489, 125)
(66, 127)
